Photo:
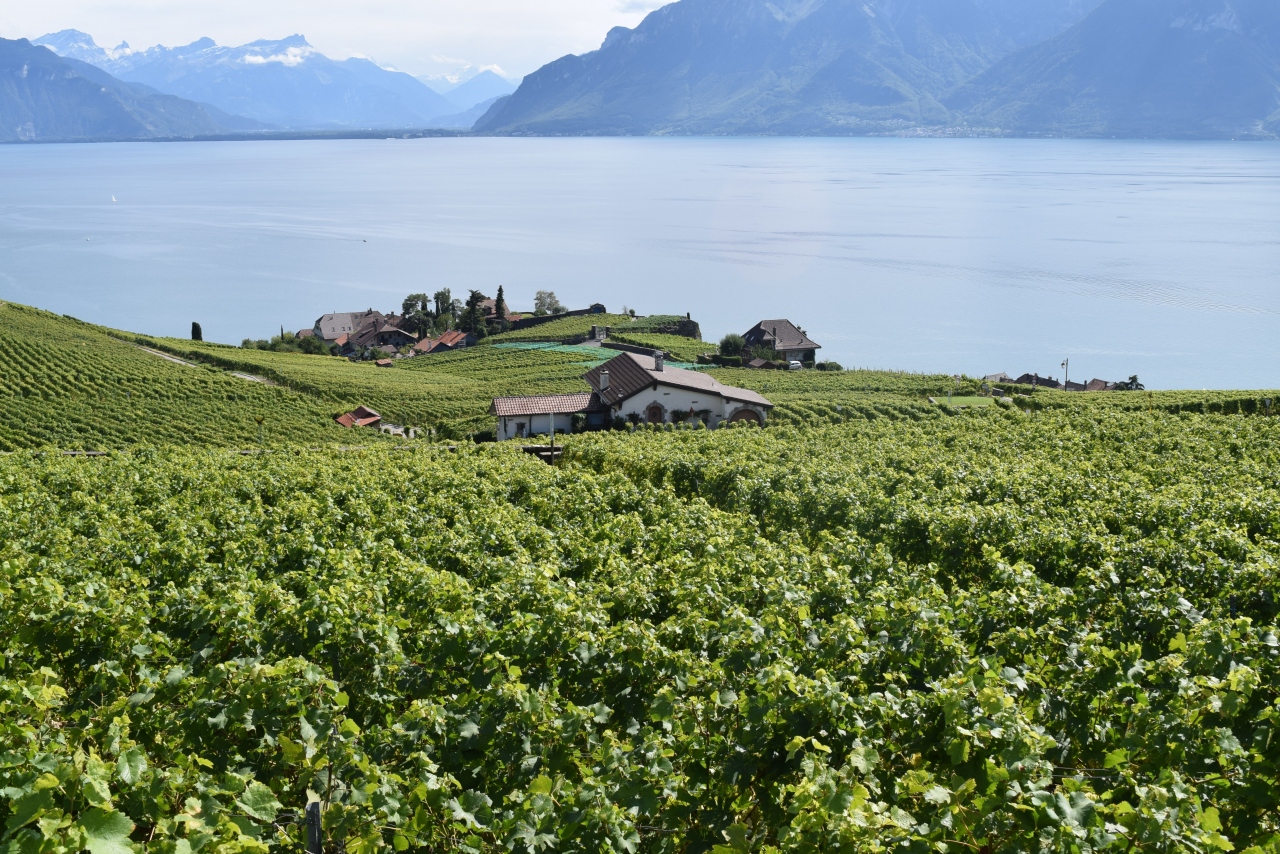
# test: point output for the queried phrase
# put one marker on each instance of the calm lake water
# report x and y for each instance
(1155, 258)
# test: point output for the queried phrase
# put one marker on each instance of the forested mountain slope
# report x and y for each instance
(1167, 68)
(791, 66)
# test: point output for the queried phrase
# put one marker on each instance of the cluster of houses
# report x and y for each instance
(1049, 382)
(631, 388)
(357, 333)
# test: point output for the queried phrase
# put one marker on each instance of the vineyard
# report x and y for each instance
(66, 384)
(992, 631)
(573, 327)
(449, 391)
(681, 348)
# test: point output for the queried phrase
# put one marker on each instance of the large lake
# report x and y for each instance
(1152, 258)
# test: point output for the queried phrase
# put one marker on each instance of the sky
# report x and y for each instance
(422, 37)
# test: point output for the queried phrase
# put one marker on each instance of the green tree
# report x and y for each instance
(546, 302)
(444, 303)
(197, 334)
(472, 319)
(732, 344)
(500, 312)
(418, 316)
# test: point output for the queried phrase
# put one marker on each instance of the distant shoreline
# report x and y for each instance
(268, 136)
(916, 134)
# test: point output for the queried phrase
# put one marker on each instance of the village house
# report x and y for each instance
(361, 416)
(489, 308)
(1051, 383)
(522, 417)
(376, 333)
(638, 389)
(783, 337)
(452, 340)
(1038, 381)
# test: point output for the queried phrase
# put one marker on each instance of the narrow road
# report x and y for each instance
(249, 377)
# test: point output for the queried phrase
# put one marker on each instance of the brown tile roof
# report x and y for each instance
(781, 335)
(631, 373)
(361, 416)
(449, 340)
(546, 404)
(1037, 380)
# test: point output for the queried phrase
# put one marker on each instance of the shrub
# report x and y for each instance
(732, 345)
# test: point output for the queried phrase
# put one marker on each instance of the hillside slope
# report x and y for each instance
(1164, 68)
(69, 385)
(46, 97)
(789, 67)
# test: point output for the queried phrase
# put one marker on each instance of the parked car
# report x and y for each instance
(793, 365)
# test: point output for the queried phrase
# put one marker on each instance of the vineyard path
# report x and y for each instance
(249, 377)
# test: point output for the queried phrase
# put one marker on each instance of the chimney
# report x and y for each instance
(604, 380)
(657, 361)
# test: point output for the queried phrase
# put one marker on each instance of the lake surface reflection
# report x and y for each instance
(975, 256)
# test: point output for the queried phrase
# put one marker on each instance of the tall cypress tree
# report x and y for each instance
(500, 311)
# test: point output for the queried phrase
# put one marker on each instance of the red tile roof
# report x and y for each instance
(361, 416)
(449, 340)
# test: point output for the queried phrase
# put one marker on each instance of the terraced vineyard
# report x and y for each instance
(569, 327)
(981, 633)
(683, 349)
(449, 391)
(68, 385)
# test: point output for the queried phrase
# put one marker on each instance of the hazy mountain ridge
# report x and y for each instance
(285, 82)
(485, 86)
(1050, 67)
(46, 97)
(1171, 68)
(778, 66)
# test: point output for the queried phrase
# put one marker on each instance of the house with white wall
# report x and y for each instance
(784, 337)
(639, 389)
(522, 417)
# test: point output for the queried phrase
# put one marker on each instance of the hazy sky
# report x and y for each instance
(418, 36)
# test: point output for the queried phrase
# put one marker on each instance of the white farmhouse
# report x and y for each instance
(639, 389)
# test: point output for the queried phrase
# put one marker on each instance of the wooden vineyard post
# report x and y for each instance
(315, 843)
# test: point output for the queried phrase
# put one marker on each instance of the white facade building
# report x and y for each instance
(637, 389)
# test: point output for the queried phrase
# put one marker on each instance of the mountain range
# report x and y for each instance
(284, 83)
(1166, 68)
(1175, 68)
(47, 97)
(1124, 68)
